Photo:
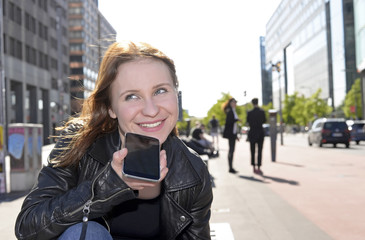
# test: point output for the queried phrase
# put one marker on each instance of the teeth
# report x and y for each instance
(151, 125)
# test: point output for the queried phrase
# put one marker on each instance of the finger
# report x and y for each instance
(163, 173)
(117, 162)
(163, 159)
(163, 165)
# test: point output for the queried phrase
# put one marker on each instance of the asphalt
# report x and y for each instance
(287, 202)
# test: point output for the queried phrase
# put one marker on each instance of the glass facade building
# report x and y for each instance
(90, 34)
(314, 41)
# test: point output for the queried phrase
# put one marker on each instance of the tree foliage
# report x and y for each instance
(300, 110)
(296, 110)
(353, 106)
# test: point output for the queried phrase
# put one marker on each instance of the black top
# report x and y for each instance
(229, 125)
(136, 219)
(196, 133)
(255, 118)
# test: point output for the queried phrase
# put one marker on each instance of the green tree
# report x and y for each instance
(317, 107)
(353, 105)
(300, 110)
(298, 113)
(217, 110)
(289, 104)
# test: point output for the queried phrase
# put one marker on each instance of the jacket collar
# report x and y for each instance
(104, 147)
(180, 162)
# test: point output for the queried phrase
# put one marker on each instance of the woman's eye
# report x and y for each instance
(160, 91)
(130, 97)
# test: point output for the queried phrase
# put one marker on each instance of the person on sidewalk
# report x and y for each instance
(83, 194)
(214, 128)
(199, 136)
(255, 118)
(231, 130)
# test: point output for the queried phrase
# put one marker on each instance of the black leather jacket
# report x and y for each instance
(59, 196)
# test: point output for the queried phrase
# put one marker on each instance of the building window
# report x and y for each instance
(42, 60)
(30, 55)
(54, 63)
(54, 83)
(53, 43)
(15, 48)
(43, 4)
(77, 71)
(15, 13)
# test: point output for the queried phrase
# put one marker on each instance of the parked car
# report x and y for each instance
(357, 130)
(329, 131)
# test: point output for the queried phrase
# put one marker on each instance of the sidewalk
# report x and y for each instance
(252, 209)
(292, 200)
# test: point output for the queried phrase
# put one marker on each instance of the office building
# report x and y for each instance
(46, 46)
(314, 42)
(359, 7)
(35, 54)
(90, 35)
(265, 76)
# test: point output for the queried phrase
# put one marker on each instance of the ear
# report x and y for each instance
(112, 114)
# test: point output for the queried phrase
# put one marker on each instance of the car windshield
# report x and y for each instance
(335, 125)
(358, 125)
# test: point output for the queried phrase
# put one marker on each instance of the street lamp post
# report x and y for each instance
(276, 67)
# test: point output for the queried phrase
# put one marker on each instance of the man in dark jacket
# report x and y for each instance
(255, 118)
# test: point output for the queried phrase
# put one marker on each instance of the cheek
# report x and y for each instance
(173, 107)
(125, 115)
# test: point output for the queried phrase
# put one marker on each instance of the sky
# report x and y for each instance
(214, 43)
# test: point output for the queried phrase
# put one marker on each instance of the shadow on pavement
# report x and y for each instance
(290, 164)
(266, 177)
(251, 178)
(281, 180)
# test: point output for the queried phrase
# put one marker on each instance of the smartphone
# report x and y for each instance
(143, 158)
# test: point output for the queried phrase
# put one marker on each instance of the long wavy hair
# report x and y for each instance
(226, 106)
(94, 119)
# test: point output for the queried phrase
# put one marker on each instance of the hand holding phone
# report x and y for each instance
(143, 158)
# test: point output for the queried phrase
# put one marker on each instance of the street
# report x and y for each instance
(326, 185)
(308, 193)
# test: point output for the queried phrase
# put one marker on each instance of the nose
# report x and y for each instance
(150, 107)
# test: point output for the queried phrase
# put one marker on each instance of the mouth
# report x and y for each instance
(150, 125)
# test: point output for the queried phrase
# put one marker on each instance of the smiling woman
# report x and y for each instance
(84, 185)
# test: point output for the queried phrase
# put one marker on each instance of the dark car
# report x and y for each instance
(329, 131)
(357, 130)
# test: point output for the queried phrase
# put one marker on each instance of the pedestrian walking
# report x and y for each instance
(255, 118)
(83, 193)
(231, 130)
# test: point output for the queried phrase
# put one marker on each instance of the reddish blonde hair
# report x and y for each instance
(94, 119)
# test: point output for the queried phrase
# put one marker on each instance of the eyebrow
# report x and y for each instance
(137, 90)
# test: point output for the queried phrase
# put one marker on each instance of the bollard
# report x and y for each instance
(273, 133)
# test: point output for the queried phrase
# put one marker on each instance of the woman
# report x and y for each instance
(82, 191)
(231, 130)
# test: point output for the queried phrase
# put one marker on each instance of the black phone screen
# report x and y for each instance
(143, 158)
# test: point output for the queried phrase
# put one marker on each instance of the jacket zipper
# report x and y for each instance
(86, 207)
